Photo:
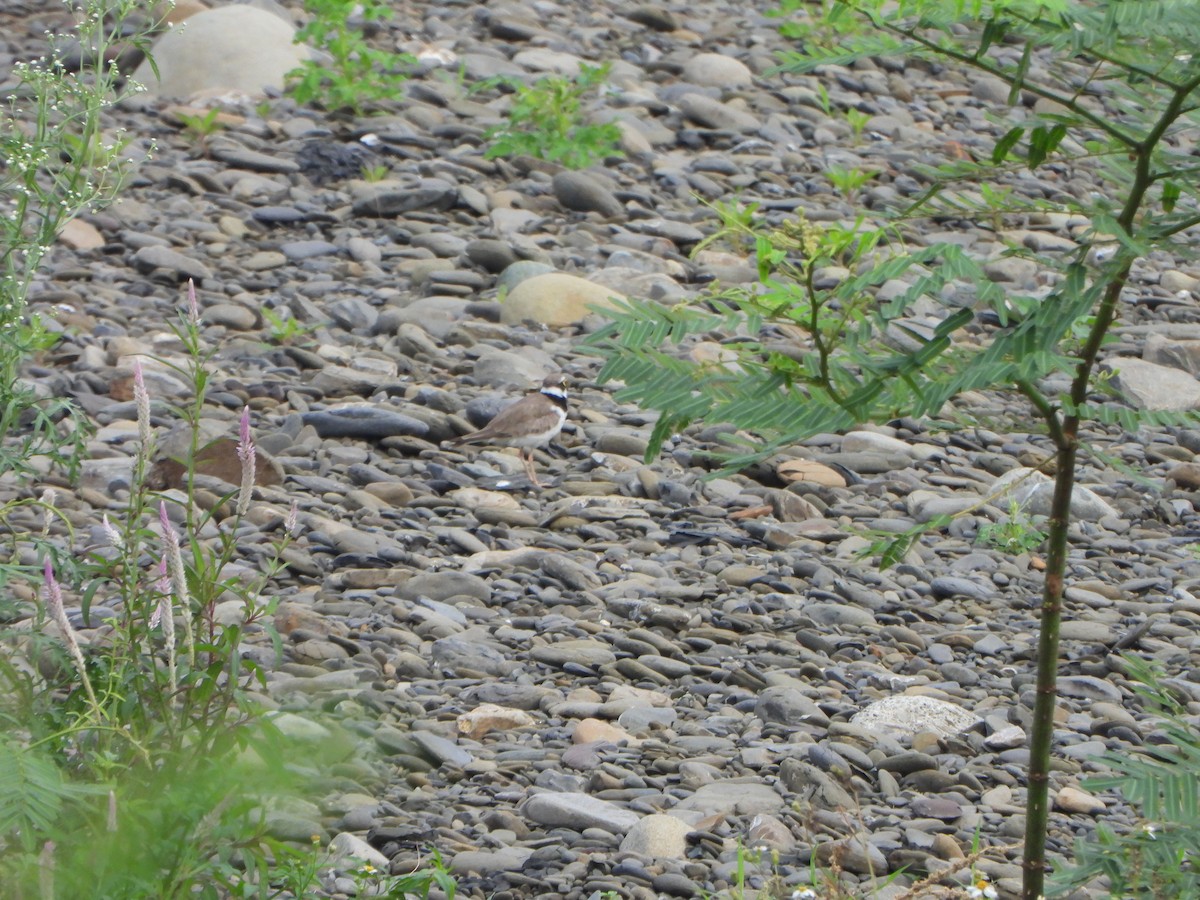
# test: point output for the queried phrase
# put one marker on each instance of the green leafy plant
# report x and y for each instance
(1159, 858)
(1121, 85)
(848, 181)
(421, 881)
(857, 120)
(286, 328)
(58, 162)
(356, 76)
(1015, 534)
(741, 888)
(201, 127)
(546, 121)
(823, 100)
(998, 199)
(140, 766)
(375, 173)
(296, 868)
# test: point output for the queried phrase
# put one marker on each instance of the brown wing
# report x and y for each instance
(528, 415)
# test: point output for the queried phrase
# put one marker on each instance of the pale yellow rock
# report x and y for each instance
(555, 299)
(80, 235)
(588, 731)
(1074, 800)
(491, 717)
(717, 70)
(712, 353)
(394, 493)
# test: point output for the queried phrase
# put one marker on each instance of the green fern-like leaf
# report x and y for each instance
(1163, 784)
(32, 794)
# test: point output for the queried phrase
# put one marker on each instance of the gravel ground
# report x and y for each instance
(613, 682)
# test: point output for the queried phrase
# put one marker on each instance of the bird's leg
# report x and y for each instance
(527, 458)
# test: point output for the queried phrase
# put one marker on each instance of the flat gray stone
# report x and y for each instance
(578, 812)
(745, 798)
(147, 259)
(366, 422)
(581, 652)
(1088, 687)
(462, 657)
(441, 750)
(788, 706)
(386, 201)
(485, 862)
(713, 113)
(1150, 386)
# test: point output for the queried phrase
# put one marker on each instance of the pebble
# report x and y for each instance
(657, 836)
(716, 70)
(583, 193)
(1074, 800)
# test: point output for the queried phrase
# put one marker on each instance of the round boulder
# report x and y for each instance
(555, 299)
(231, 48)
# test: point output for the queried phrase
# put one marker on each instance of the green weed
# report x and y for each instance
(848, 181)
(357, 76)
(1014, 535)
(375, 173)
(857, 120)
(546, 121)
(1158, 857)
(58, 162)
(285, 328)
(200, 128)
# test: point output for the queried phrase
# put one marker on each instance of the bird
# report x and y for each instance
(533, 421)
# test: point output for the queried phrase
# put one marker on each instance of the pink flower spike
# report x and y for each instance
(54, 601)
(164, 614)
(54, 606)
(114, 536)
(193, 305)
(141, 399)
(165, 520)
(164, 588)
(246, 453)
(245, 448)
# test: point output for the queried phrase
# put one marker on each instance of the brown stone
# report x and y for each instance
(1185, 475)
(809, 471)
(217, 459)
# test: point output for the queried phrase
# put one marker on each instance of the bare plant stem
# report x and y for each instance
(1065, 434)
